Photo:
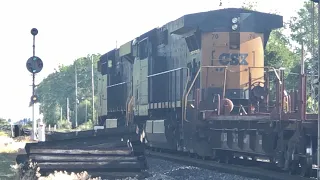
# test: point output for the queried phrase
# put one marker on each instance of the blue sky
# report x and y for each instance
(74, 28)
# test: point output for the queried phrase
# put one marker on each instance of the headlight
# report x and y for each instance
(234, 27)
(234, 20)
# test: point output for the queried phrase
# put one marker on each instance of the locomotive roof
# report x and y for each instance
(220, 20)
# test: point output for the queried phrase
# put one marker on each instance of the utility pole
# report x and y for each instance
(86, 111)
(60, 115)
(314, 71)
(318, 77)
(318, 153)
(68, 117)
(92, 82)
(76, 84)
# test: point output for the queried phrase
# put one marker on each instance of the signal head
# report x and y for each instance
(34, 99)
(34, 64)
(34, 31)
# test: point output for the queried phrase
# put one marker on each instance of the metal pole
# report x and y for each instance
(34, 123)
(68, 117)
(92, 82)
(76, 84)
(86, 111)
(318, 153)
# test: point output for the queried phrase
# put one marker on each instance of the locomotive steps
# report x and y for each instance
(107, 153)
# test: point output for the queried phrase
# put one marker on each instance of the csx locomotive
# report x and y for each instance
(198, 84)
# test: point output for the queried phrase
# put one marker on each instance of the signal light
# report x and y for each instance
(34, 64)
(34, 99)
(34, 31)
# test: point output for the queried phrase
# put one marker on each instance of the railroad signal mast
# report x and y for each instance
(34, 65)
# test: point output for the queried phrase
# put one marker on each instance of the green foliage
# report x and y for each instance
(64, 124)
(249, 5)
(86, 126)
(54, 90)
(3, 122)
(302, 26)
(278, 54)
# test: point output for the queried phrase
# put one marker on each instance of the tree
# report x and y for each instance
(54, 90)
(278, 54)
(249, 5)
(302, 26)
(304, 30)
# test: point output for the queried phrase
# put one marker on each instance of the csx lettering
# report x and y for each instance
(234, 59)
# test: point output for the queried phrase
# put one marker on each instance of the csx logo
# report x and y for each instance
(234, 59)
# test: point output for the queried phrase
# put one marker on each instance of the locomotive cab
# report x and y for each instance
(232, 61)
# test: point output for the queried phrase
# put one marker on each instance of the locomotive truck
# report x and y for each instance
(199, 85)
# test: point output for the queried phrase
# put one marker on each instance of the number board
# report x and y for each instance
(34, 64)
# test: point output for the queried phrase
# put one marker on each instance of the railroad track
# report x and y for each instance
(240, 168)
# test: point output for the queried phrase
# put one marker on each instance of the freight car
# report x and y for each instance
(198, 84)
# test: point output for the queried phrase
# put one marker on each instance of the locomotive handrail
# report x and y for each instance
(194, 80)
(118, 84)
(185, 87)
(274, 70)
(164, 72)
(128, 110)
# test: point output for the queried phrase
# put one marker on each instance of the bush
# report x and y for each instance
(28, 125)
(86, 126)
(64, 124)
(3, 122)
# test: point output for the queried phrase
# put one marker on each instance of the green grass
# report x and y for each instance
(6, 161)
(3, 133)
